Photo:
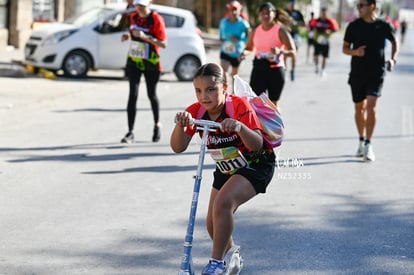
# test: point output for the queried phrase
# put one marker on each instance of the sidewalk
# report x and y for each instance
(12, 63)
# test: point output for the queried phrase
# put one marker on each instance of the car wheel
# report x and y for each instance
(186, 67)
(76, 64)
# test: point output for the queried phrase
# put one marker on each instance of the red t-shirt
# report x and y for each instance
(322, 25)
(243, 112)
(153, 25)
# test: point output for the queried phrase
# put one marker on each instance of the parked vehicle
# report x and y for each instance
(92, 40)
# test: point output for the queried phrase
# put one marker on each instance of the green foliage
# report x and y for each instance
(253, 7)
(389, 8)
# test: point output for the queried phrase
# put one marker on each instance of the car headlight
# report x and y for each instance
(57, 37)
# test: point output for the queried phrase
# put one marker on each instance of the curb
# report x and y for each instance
(12, 70)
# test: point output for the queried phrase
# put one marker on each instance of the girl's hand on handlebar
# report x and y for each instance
(231, 125)
(183, 119)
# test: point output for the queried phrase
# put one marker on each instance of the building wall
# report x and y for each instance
(20, 20)
(4, 32)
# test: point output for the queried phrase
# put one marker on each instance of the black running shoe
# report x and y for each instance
(129, 138)
(157, 134)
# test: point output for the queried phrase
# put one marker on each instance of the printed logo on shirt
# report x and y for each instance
(216, 140)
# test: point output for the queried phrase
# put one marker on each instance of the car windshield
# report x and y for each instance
(88, 16)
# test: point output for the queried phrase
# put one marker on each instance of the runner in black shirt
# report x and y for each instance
(365, 41)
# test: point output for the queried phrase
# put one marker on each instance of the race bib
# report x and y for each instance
(323, 40)
(265, 55)
(139, 50)
(271, 57)
(229, 47)
(311, 34)
(228, 159)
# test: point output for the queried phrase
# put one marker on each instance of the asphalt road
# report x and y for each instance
(73, 200)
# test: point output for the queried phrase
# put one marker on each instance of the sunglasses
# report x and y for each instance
(360, 6)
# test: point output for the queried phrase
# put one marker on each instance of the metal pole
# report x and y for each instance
(186, 263)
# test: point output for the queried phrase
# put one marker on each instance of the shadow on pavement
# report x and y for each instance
(158, 169)
(109, 145)
(325, 160)
(140, 109)
(355, 237)
(343, 138)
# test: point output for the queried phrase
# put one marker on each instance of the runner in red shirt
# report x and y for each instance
(148, 34)
(324, 26)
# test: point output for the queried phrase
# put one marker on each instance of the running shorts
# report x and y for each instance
(234, 61)
(265, 78)
(321, 50)
(259, 174)
(363, 87)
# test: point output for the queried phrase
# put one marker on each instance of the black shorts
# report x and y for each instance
(311, 41)
(363, 87)
(265, 78)
(320, 49)
(258, 174)
(234, 61)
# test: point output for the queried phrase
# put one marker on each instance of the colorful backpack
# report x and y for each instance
(267, 113)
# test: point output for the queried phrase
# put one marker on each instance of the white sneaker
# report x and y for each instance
(234, 261)
(361, 149)
(369, 153)
(323, 73)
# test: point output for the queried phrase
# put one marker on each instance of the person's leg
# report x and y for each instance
(234, 63)
(371, 116)
(234, 71)
(360, 117)
(359, 94)
(220, 218)
(134, 76)
(323, 66)
(373, 92)
(316, 57)
(151, 79)
(275, 79)
(292, 69)
(371, 119)
(225, 64)
(325, 55)
(257, 80)
(324, 58)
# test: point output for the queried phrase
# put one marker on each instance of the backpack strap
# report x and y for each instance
(200, 112)
(229, 109)
(230, 106)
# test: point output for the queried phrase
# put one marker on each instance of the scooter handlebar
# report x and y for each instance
(202, 122)
(210, 124)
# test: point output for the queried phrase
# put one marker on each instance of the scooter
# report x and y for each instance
(187, 263)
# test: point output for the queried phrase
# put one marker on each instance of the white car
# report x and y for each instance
(92, 40)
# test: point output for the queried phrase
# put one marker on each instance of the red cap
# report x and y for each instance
(234, 5)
